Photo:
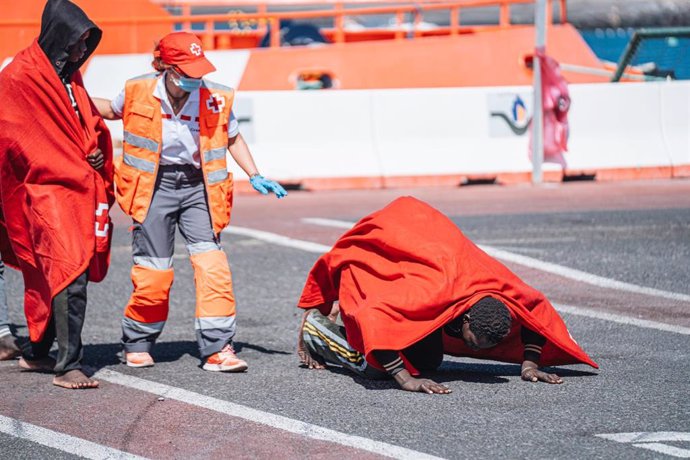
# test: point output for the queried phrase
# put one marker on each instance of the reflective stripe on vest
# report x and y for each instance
(214, 154)
(141, 142)
(219, 175)
(138, 163)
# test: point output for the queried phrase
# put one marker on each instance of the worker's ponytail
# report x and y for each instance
(157, 62)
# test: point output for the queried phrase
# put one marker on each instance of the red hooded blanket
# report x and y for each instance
(406, 270)
(55, 206)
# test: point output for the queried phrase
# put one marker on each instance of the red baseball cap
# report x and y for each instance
(183, 50)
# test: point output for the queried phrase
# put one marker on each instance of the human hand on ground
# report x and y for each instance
(532, 374)
(96, 159)
(263, 186)
(424, 386)
(304, 356)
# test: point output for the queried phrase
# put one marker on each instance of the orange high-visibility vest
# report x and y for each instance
(136, 170)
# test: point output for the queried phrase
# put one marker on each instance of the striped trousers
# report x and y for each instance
(328, 340)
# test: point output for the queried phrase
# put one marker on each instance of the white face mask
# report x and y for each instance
(186, 84)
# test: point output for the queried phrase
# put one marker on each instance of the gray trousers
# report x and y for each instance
(179, 201)
(4, 313)
(66, 323)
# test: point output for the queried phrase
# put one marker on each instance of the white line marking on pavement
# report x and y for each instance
(590, 313)
(647, 436)
(258, 416)
(548, 267)
(665, 449)
(60, 441)
(278, 239)
(328, 222)
(581, 276)
(320, 248)
(653, 441)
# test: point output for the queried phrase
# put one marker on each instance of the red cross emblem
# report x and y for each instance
(195, 49)
(102, 220)
(215, 103)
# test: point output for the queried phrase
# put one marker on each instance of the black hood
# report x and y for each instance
(62, 24)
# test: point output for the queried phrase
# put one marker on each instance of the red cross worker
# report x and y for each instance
(178, 129)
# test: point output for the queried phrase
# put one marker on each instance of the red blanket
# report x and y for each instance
(55, 206)
(406, 270)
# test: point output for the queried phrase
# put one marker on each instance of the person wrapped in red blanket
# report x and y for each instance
(55, 186)
(410, 288)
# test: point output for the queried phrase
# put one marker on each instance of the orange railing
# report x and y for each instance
(269, 21)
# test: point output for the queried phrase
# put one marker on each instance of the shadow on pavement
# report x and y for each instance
(98, 356)
(240, 345)
(481, 372)
(101, 355)
(462, 372)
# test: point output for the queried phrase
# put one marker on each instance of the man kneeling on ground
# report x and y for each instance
(410, 288)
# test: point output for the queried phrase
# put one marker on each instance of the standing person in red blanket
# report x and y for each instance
(411, 288)
(55, 186)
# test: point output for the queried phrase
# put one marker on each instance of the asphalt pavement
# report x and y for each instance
(642, 386)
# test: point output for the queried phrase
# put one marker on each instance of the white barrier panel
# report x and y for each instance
(311, 134)
(442, 132)
(427, 132)
(621, 126)
(382, 133)
(452, 132)
(675, 122)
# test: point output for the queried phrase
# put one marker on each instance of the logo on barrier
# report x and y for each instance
(509, 114)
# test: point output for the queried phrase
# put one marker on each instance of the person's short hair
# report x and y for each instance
(490, 318)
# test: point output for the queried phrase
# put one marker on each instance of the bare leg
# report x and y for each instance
(75, 380)
(8, 347)
(46, 364)
(306, 358)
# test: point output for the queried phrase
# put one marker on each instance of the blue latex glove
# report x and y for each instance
(263, 186)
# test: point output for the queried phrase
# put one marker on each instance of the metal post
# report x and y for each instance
(339, 23)
(538, 117)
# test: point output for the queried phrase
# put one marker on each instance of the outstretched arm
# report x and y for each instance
(240, 153)
(105, 108)
(530, 372)
(391, 361)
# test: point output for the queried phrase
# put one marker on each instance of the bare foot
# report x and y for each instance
(46, 364)
(75, 380)
(8, 348)
(306, 358)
